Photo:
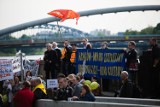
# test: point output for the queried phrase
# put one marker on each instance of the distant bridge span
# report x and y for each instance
(82, 13)
(32, 41)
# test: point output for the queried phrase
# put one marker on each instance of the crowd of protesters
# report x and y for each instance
(60, 64)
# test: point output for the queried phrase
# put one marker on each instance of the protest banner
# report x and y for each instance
(16, 64)
(102, 63)
(6, 71)
(32, 66)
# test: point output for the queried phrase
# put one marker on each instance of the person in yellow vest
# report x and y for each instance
(73, 58)
(65, 59)
(38, 88)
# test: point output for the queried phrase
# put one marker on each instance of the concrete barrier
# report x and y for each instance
(129, 100)
(51, 103)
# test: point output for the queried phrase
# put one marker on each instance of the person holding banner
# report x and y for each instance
(86, 44)
(28, 75)
(104, 45)
(132, 63)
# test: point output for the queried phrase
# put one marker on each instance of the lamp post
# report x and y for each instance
(21, 55)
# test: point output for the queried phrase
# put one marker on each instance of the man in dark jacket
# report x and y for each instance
(50, 59)
(126, 89)
(59, 55)
(155, 74)
(66, 55)
(132, 64)
(64, 91)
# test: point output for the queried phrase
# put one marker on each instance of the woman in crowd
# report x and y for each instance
(28, 75)
(86, 94)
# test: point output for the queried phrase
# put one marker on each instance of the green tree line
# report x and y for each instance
(147, 30)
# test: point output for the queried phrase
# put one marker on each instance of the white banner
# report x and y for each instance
(16, 63)
(6, 71)
(32, 66)
(52, 83)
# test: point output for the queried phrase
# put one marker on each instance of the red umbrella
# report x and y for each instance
(64, 14)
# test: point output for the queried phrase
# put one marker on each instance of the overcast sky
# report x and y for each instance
(14, 12)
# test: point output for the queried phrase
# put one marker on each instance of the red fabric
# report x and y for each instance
(24, 98)
(65, 14)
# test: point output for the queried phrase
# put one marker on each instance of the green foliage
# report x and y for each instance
(101, 34)
(8, 52)
(9, 37)
(27, 51)
(131, 32)
(156, 30)
(24, 36)
(147, 30)
(33, 51)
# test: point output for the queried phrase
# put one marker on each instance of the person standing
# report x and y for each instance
(16, 86)
(66, 55)
(86, 44)
(126, 89)
(24, 97)
(59, 55)
(155, 51)
(10, 94)
(131, 61)
(50, 58)
(104, 45)
(73, 58)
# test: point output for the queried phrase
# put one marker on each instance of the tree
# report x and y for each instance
(156, 30)
(24, 36)
(131, 32)
(148, 30)
(8, 37)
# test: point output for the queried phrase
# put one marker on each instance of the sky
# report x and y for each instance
(14, 12)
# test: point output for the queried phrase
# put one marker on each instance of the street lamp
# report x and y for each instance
(21, 55)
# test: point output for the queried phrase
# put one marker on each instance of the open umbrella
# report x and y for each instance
(64, 14)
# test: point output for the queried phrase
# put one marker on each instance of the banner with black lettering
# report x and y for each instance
(102, 63)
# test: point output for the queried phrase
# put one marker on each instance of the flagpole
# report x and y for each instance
(20, 54)
(59, 31)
